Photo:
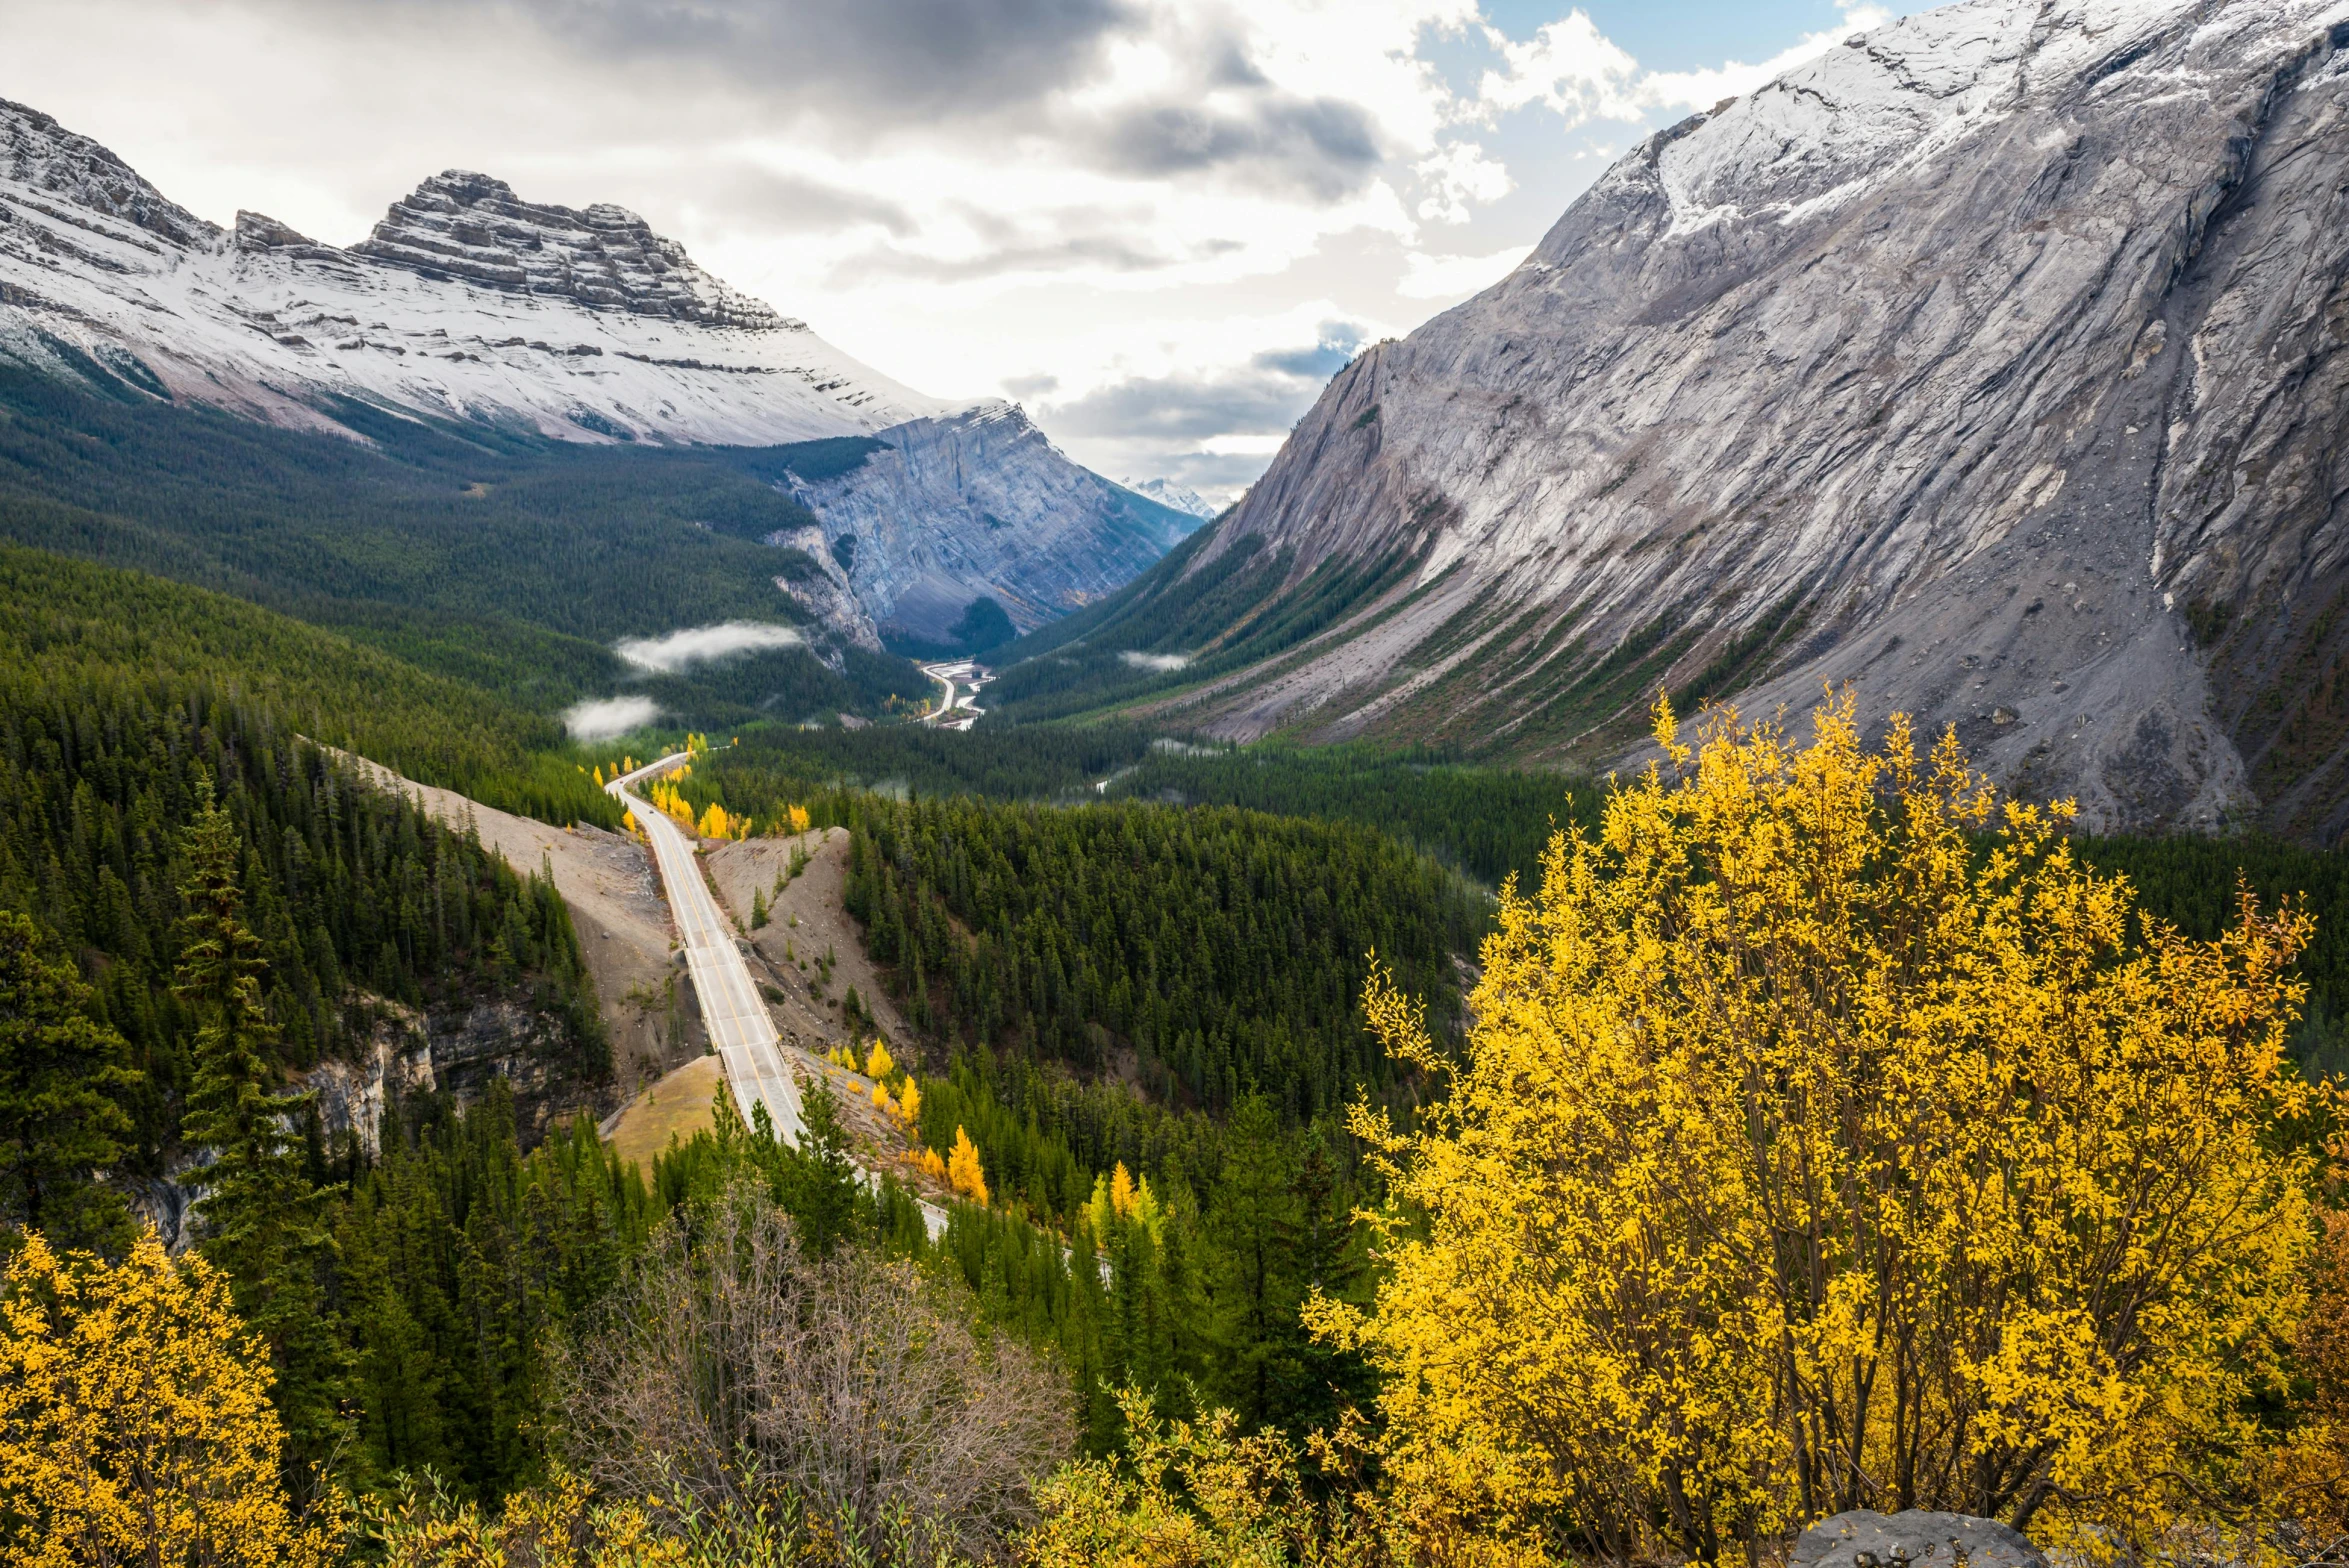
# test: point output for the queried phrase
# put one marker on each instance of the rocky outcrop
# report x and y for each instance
(1916, 1538)
(469, 226)
(1993, 363)
(824, 590)
(981, 503)
(459, 1049)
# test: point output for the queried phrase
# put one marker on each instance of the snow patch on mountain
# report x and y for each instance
(1181, 498)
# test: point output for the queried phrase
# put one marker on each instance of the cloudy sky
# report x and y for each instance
(1160, 224)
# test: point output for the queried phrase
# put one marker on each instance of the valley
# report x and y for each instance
(1709, 922)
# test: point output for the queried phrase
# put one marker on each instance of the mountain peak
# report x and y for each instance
(472, 227)
(41, 155)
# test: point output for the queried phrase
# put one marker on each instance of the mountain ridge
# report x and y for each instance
(468, 305)
(1991, 362)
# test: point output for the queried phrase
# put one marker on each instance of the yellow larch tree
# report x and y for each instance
(962, 1168)
(1829, 1137)
(878, 1062)
(135, 1423)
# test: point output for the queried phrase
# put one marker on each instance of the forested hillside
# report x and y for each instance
(68, 628)
(484, 554)
(1225, 949)
(355, 898)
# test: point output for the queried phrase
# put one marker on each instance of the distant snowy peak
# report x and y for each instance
(466, 302)
(1180, 497)
(469, 226)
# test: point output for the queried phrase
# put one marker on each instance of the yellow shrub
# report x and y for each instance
(135, 1423)
(1809, 1155)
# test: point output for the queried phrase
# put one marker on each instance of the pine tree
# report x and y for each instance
(820, 1189)
(61, 1076)
(263, 1222)
(1256, 1295)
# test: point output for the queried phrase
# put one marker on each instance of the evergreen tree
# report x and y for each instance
(61, 1122)
(820, 1188)
(1254, 1219)
(264, 1224)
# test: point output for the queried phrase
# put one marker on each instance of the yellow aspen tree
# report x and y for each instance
(878, 1062)
(909, 1104)
(962, 1168)
(135, 1423)
(1828, 1137)
(882, 1102)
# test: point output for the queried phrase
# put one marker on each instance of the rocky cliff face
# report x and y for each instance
(1993, 363)
(469, 303)
(980, 503)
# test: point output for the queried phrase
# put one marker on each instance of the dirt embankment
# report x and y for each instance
(806, 923)
(607, 879)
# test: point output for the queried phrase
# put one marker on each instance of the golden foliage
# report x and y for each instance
(878, 1062)
(1811, 1155)
(2316, 1471)
(1200, 1495)
(962, 1168)
(909, 1104)
(135, 1423)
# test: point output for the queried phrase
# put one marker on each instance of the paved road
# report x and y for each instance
(730, 1006)
(956, 712)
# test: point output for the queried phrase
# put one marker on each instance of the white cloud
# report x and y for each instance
(1457, 174)
(1568, 67)
(704, 644)
(1452, 277)
(1160, 662)
(603, 718)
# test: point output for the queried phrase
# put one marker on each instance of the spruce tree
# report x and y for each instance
(62, 1074)
(263, 1220)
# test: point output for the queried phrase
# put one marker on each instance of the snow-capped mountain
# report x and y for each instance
(1996, 362)
(468, 303)
(1181, 497)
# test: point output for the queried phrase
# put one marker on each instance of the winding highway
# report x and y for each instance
(730, 1006)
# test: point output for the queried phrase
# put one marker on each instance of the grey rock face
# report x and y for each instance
(826, 593)
(470, 226)
(40, 155)
(980, 503)
(1914, 1539)
(1993, 363)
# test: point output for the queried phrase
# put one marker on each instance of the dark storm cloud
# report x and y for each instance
(881, 60)
(1265, 398)
(1324, 147)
